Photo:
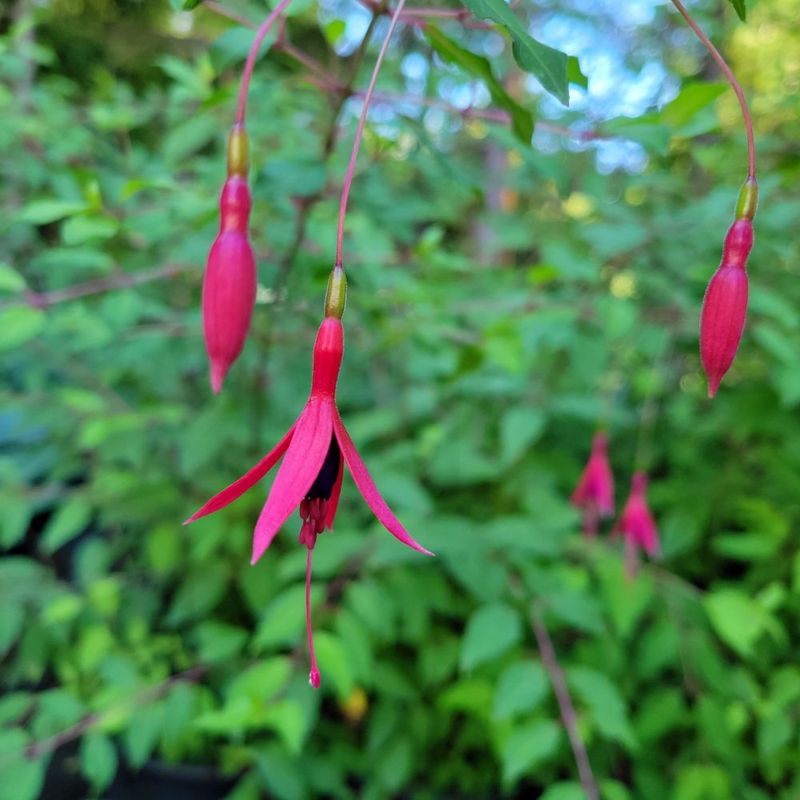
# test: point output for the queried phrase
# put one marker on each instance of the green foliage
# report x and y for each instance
(741, 8)
(505, 299)
(452, 52)
(547, 64)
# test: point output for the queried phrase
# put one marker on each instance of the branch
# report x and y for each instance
(44, 746)
(121, 280)
(566, 709)
(417, 17)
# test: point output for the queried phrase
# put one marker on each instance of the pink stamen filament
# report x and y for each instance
(348, 178)
(735, 85)
(247, 73)
(313, 675)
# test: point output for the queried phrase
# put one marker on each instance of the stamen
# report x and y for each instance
(313, 675)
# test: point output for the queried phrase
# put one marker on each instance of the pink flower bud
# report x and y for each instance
(725, 305)
(229, 285)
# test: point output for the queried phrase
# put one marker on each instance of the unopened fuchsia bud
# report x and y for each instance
(725, 303)
(229, 285)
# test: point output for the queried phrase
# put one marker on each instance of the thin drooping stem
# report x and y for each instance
(313, 675)
(735, 85)
(565, 707)
(348, 178)
(247, 74)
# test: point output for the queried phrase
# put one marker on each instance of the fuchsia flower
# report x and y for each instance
(316, 448)
(594, 493)
(229, 284)
(637, 525)
(725, 302)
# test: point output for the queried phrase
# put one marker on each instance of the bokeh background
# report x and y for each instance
(506, 299)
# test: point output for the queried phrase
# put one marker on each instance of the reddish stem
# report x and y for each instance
(218, 8)
(565, 707)
(247, 74)
(348, 178)
(735, 85)
(313, 675)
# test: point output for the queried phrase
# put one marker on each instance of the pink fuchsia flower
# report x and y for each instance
(637, 525)
(594, 494)
(725, 302)
(315, 451)
(229, 283)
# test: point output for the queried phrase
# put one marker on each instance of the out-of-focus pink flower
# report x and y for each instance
(725, 305)
(594, 494)
(229, 283)
(637, 525)
(315, 449)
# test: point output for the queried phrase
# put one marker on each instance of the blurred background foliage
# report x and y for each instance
(506, 298)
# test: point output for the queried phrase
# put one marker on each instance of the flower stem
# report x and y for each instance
(348, 178)
(247, 74)
(313, 675)
(735, 85)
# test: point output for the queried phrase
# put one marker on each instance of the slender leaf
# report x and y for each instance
(453, 53)
(548, 65)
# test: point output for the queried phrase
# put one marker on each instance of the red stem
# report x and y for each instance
(241, 105)
(567, 710)
(735, 85)
(348, 178)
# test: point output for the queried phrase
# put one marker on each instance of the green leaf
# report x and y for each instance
(40, 212)
(548, 65)
(334, 663)
(529, 746)
(575, 74)
(740, 7)
(199, 593)
(519, 428)
(80, 229)
(184, 5)
(141, 733)
(287, 719)
(10, 626)
(605, 703)
(10, 280)
(19, 325)
(522, 687)
(648, 130)
(98, 759)
(738, 620)
(564, 790)
(453, 53)
(218, 641)
(20, 778)
(283, 619)
(69, 521)
(491, 631)
(693, 97)
(15, 518)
